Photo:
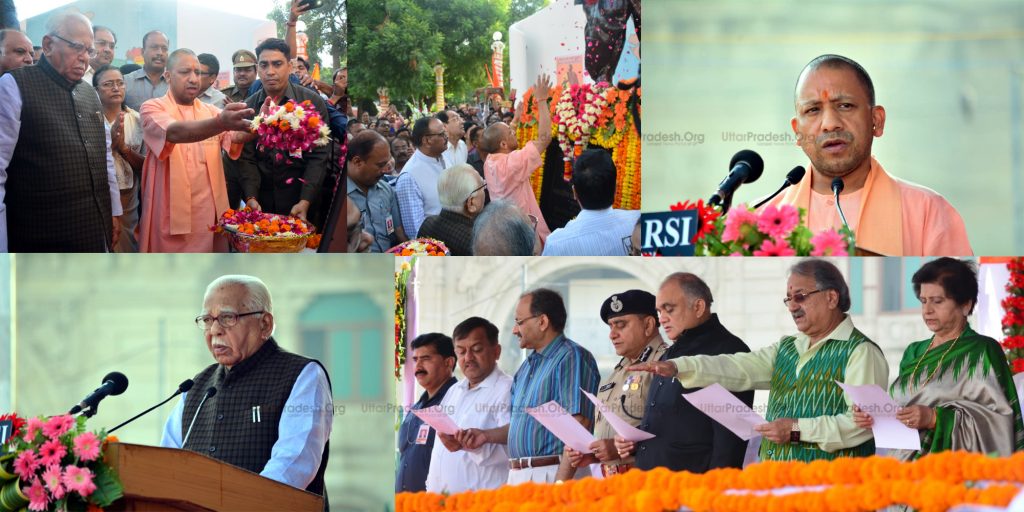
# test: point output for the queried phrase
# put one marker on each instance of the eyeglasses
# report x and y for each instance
(208, 73)
(475, 190)
(627, 244)
(519, 323)
(799, 298)
(226, 320)
(442, 132)
(111, 84)
(78, 47)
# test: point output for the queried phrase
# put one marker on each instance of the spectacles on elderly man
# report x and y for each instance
(78, 47)
(478, 189)
(799, 298)
(226, 320)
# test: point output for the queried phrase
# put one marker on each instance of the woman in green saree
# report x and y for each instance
(955, 387)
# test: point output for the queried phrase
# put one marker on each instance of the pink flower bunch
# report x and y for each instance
(291, 129)
(58, 465)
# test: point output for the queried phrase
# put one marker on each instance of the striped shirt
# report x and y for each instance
(555, 373)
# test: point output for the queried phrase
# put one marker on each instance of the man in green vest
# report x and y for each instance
(809, 416)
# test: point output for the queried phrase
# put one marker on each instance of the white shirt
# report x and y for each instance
(593, 233)
(457, 154)
(488, 405)
(10, 128)
(417, 191)
(302, 434)
(212, 96)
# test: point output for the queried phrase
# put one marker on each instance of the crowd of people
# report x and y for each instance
(954, 388)
(97, 158)
(460, 177)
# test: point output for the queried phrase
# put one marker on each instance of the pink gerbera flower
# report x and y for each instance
(828, 243)
(87, 446)
(32, 427)
(739, 223)
(78, 480)
(58, 425)
(51, 452)
(778, 222)
(775, 248)
(51, 477)
(26, 464)
(36, 494)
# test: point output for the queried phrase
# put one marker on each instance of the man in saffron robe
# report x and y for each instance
(183, 189)
(836, 120)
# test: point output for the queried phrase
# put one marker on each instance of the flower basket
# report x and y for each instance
(268, 244)
(252, 231)
(420, 247)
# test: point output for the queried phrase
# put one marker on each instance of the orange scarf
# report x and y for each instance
(880, 222)
(180, 197)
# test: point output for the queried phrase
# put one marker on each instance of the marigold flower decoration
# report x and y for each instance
(420, 247)
(290, 129)
(401, 291)
(1013, 319)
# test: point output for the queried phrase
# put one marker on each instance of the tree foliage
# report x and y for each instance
(325, 27)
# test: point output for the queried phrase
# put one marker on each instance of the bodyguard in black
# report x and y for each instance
(686, 438)
(434, 357)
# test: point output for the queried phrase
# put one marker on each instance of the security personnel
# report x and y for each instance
(243, 65)
(632, 317)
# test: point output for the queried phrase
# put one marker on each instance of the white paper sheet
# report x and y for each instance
(437, 418)
(889, 432)
(563, 426)
(723, 407)
(619, 425)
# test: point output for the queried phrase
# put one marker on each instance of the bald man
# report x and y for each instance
(58, 188)
(836, 121)
(15, 50)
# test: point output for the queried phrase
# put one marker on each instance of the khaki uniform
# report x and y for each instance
(624, 393)
(234, 94)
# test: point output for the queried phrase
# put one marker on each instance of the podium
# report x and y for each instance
(166, 479)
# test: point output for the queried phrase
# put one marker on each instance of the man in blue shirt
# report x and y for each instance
(434, 357)
(556, 369)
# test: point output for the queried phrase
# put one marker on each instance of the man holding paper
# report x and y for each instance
(684, 308)
(434, 357)
(632, 317)
(556, 370)
(480, 400)
(809, 416)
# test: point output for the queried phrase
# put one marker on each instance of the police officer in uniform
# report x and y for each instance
(633, 320)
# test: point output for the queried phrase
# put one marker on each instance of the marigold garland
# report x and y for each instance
(401, 298)
(1013, 320)
(932, 483)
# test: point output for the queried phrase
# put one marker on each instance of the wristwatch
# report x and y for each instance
(794, 435)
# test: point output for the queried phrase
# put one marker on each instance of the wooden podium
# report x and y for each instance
(165, 479)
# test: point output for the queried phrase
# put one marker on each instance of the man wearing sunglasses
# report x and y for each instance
(271, 411)
(58, 188)
(809, 416)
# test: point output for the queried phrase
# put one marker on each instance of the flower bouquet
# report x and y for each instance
(575, 114)
(290, 129)
(55, 464)
(253, 231)
(775, 231)
(420, 247)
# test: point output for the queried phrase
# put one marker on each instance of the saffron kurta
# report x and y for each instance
(970, 386)
(929, 225)
(183, 189)
(508, 178)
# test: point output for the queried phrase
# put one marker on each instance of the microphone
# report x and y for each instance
(837, 187)
(745, 167)
(792, 178)
(113, 384)
(182, 388)
(209, 394)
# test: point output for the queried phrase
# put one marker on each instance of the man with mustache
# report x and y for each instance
(481, 400)
(434, 357)
(368, 157)
(58, 187)
(148, 82)
(836, 120)
(684, 309)
(556, 370)
(632, 317)
(810, 418)
(183, 190)
(272, 410)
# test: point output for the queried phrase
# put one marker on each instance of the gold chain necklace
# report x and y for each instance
(936, 370)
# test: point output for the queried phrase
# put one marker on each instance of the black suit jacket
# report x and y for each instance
(687, 439)
(279, 185)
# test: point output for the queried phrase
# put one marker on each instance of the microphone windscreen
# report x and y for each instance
(837, 185)
(753, 160)
(119, 380)
(210, 392)
(796, 175)
(185, 386)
